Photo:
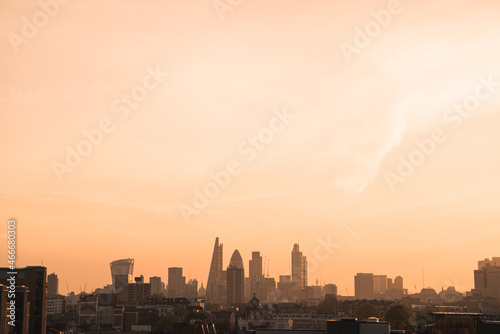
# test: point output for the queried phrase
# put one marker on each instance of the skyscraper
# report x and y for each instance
(176, 283)
(255, 265)
(53, 288)
(487, 278)
(215, 274)
(235, 279)
(379, 284)
(299, 267)
(363, 286)
(35, 279)
(122, 267)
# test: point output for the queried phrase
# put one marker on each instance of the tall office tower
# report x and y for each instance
(235, 279)
(122, 267)
(35, 280)
(487, 279)
(120, 287)
(53, 288)
(255, 265)
(379, 284)
(363, 286)
(176, 283)
(398, 283)
(214, 275)
(157, 286)
(299, 267)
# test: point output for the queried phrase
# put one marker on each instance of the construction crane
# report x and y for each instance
(267, 267)
(67, 286)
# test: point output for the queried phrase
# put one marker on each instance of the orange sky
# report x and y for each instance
(322, 176)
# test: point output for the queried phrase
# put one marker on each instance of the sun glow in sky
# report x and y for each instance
(327, 173)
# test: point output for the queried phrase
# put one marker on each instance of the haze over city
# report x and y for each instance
(265, 110)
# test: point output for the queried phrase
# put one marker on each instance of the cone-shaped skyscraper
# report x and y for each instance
(215, 274)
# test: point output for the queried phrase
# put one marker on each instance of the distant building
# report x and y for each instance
(487, 278)
(363, 286)
(53, 287)
(138, 292)
(398, 283)
(34, 279)
(235, 279)
(87, 310)
(379, 284)
(191, 289)
(428, 295)
(202, 291)
(215, 287)
(120, 286)
(122, 267)
(157, 286)
(330, 289)
(176, 282)
(255, 265)
(494, 262)
(299, 267)
(287, 289)
(56, 305)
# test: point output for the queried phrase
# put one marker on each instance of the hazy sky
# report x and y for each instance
(329, 171)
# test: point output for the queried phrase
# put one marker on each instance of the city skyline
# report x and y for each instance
(342, 290)
(152, 131)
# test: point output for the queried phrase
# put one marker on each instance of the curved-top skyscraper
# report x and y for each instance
(235, 279)
(122, 267)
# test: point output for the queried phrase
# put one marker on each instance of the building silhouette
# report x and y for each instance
(398, 283)
(157, 286)
(487, 278)
(202, 291)
(176, 282)
(122, 267)
(363, 286)
(53, 282)
(379, 284)
(139, 291)
(255, 265)
(299, 267)
(235, 279)
(31, 282)
(330, 289)
(120, 286)
(191, 289)
(215, 279)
